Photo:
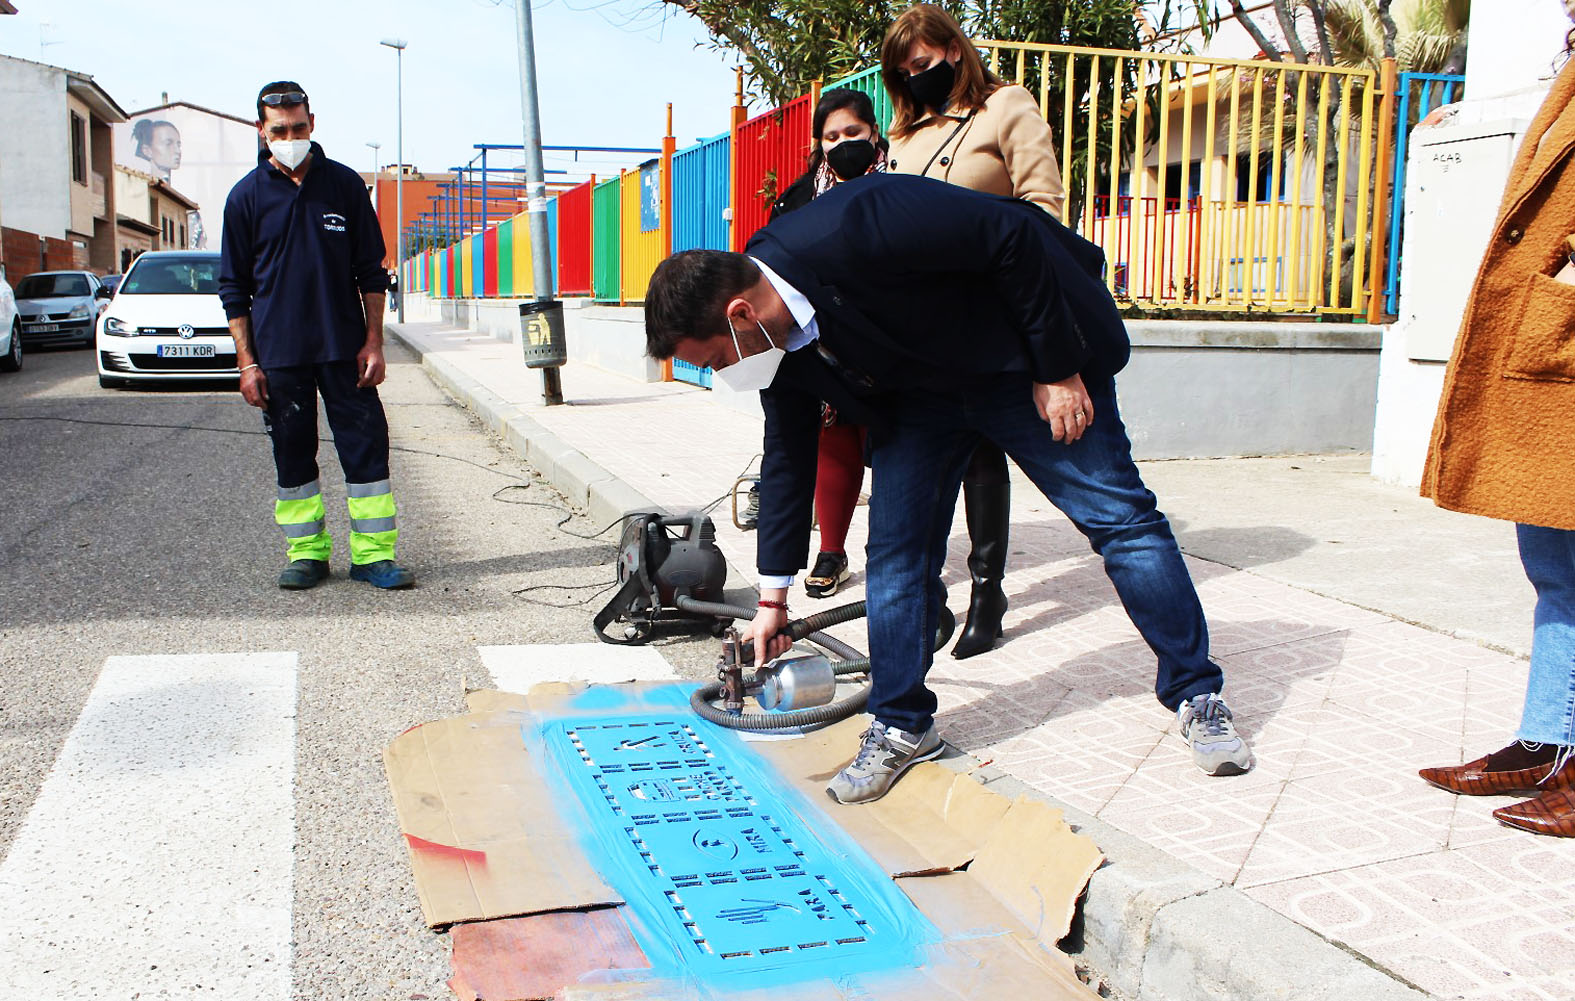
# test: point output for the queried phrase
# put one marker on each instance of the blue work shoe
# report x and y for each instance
(303, 574)
(385, 574)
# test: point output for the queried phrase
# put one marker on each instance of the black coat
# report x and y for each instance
(798, 194)
(917, 285)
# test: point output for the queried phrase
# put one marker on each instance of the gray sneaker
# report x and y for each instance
(886, 752)
(1216, 747)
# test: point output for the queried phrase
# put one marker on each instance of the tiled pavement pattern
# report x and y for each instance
(1332, 828)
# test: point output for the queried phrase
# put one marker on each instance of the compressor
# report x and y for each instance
(670, 570)
(661, 559)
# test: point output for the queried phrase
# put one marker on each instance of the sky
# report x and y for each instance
(605, 68)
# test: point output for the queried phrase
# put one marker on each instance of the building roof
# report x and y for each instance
(194, 107)
(136, 225)
(95, 97)
(163, 188)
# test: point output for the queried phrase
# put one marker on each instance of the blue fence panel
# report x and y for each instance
(702, 192)
(552, 238)
(1420, 93)
(692, 374)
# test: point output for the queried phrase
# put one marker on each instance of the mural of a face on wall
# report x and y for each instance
(157, 142)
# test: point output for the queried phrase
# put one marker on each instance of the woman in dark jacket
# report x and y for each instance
(848, 144)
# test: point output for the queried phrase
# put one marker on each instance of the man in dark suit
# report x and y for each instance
(936, 315)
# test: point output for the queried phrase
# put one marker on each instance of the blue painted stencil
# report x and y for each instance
(700, 842)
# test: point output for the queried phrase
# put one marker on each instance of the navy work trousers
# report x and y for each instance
(354, 414)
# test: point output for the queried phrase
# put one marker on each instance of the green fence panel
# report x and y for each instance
(506, 258)
(606, 241)
(870, 83)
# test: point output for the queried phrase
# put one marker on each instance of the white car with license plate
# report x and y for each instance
(166, 323)
(10, 328)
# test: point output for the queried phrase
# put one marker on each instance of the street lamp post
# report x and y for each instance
(398, 45)
(535, 182)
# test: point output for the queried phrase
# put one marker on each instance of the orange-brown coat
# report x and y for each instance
(1504, 440)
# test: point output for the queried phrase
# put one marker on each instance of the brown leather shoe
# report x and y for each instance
(1471, 779)
(1552, 813)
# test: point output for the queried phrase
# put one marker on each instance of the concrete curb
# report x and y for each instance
(1155, 927)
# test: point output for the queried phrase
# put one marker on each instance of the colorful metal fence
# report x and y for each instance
(574, 240)
(1210, 184)
(1420, 93)
(702, 195)
(641, 245)
(1281, 154)
(606, 239)
(768, 155)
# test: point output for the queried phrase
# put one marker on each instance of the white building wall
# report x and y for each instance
(36, 146)
(216, 152)
(1515, 44)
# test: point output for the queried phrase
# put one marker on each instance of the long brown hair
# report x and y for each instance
(929, 23)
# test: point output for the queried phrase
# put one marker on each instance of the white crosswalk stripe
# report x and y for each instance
(518, 668)
(157, 859)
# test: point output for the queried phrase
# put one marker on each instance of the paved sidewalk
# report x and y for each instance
(1347, 616)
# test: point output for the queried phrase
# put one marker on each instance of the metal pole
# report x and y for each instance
(535, 185)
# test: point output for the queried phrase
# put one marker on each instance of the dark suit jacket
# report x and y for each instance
(917, 285)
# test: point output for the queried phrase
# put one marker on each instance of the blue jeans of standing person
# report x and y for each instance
(1548, 555)
(919, 462)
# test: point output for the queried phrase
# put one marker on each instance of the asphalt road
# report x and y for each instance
(139, 522)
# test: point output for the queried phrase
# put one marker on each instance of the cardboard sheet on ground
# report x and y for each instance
(999, 877)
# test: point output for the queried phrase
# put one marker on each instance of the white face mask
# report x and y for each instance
(755, 372)
(290, 152)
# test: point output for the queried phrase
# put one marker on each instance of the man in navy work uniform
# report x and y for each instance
(303, 285)
(936, 315)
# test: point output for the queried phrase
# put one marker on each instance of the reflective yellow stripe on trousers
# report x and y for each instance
(372, 528)
(299, 514)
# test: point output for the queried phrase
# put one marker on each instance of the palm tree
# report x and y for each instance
(1429, 35)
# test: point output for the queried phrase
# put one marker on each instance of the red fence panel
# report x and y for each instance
(769, 155)
(574, 240)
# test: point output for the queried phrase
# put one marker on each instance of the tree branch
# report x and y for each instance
(1282, 11)
(1321, 25)
(1387, 19)
(1268, 48)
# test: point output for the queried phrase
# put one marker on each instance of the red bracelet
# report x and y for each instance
(780, 606)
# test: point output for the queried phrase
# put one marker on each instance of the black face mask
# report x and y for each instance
(851, 158)
(933, 88)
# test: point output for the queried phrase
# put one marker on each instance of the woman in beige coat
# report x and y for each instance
(956, 121)
(1504, 446)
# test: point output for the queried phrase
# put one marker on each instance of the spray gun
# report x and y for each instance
(792, 681)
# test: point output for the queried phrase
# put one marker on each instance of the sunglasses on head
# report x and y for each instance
(288, 97)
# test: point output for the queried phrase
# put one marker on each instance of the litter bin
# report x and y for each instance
(541, 334)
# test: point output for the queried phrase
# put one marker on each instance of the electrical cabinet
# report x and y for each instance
(1455, 179)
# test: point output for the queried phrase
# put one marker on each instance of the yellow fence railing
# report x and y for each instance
(641, 248)
(1215, 184)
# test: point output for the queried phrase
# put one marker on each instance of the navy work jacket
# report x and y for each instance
(297, 258)
(918, 285)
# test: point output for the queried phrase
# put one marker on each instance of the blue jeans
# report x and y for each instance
(919, 462)
(1548, 555)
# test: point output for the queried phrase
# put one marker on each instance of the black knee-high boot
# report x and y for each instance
(988, 502)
